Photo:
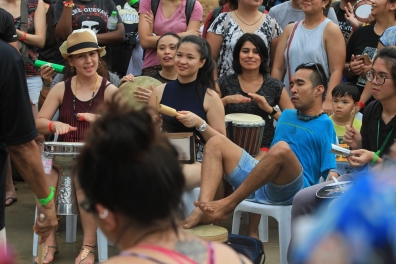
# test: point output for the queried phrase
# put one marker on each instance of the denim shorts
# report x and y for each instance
(270, 193)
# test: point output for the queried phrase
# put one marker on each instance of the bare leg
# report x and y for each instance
(10, 188)
(279, 166)
(89, 227)
(220, 156)
(192, 175)
(254, 221)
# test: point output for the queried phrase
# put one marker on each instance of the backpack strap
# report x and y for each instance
(288, 47)
(272, 27)
(215, 13)
(336, 6)
(226, 21)
(24, 15)
(261, 8)
(154, 6)
(189, 8)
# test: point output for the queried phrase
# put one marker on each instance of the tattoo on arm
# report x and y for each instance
(193, 249)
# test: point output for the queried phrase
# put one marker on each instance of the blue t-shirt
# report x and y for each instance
(310, 141)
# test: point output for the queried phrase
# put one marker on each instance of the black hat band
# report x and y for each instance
(82, 45)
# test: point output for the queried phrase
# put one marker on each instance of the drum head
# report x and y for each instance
(334, 190)
(128, 89)
(209, 232)
(362, 10)
(243, 118)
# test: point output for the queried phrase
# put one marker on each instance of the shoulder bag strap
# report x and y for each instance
(154, 6)
(226, 21)
(189, 9)
(288, 47)
(24, 15)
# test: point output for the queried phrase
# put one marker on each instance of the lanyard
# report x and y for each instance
(386, 140)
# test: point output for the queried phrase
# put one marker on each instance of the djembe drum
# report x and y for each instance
(209, 232)
(64, 155)
(246, 131)
(128, 90)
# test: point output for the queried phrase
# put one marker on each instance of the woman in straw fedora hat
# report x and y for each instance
(77, 98)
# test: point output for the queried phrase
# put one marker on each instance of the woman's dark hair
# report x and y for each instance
(205, 77)
(129, 167)
(167, 34)
(102, 69)
(388, 54)
(346, 89)
(261, 48)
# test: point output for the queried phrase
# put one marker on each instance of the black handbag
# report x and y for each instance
(250, 247)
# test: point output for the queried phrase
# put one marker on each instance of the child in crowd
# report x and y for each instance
(345, 99)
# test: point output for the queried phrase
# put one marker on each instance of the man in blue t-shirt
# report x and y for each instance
(299, 155)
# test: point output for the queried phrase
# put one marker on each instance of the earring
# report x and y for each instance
(100, 64)
(104, 214)
(72, 69)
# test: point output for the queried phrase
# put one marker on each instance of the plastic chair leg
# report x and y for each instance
(71, 228)
(102, 245)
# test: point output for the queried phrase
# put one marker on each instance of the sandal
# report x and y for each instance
(85, 252)
(45, 253)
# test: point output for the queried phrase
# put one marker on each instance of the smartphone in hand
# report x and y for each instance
(365, 58)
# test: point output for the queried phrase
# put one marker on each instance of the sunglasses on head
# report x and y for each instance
(310, 65)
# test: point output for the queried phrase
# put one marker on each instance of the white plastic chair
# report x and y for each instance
(188, 199)
(71, 230)
(282, 213)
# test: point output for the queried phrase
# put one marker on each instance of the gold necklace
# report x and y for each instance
(90, 101)
(245, 22)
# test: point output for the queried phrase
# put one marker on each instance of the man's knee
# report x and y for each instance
(281, 149)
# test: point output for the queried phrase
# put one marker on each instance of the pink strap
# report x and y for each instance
(288, 47)
(176, 256)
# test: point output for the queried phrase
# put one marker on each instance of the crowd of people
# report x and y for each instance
(305, 67)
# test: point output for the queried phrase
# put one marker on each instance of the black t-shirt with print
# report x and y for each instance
(362, 41)
(7, 27)
(345, 26)
(17, 125)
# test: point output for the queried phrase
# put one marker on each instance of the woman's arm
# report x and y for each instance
(274, 45)
(38, 38)
(336, 55)
(214, 114)
(112, 37)
(215, 42)
(278, 65)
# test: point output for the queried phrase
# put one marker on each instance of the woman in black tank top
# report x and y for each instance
(199, 106)
(78, 99)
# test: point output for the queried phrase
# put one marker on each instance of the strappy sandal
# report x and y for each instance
(45, 253)
(85, 252)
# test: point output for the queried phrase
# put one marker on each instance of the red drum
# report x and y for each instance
(246, 131)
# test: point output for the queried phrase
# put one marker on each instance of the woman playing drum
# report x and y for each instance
(251, 80)
(77, 100)
(192, 94)
(136, 195)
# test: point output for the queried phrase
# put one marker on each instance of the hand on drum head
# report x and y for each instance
(142, 94)
(61, 128)
(88, 117)
(189, 119)
(350, 16)
(352, 137)
(237, 98)
(128, 78)
(261, 102)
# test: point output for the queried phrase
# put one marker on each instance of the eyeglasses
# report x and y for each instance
(310, 64)
(379, 77)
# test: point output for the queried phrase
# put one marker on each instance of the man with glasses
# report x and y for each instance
(299, 155)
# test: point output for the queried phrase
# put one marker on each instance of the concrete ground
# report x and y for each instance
(19, 223)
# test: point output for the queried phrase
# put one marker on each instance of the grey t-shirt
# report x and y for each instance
(285, 14)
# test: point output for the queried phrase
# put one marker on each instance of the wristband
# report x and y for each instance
(361, 104)
(375, 158)
(46, 86)
(50, 126)
(24, 37)
(45, 201)
(68, 4)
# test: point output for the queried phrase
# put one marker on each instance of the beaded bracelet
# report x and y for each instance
(45, 201)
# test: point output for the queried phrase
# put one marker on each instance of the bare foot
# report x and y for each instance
(196, 217)
(219, 210)
(253, 234)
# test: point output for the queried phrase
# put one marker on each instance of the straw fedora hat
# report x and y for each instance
(80, 41)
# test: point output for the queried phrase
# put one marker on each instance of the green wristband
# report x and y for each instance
(375, 158)
(45, 201)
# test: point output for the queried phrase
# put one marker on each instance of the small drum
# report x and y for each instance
(210, 232)
(246, 131)
(128, 89)
(362, 10)
(64, 154)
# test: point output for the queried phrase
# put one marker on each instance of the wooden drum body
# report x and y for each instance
(64, 154)
(246, 131)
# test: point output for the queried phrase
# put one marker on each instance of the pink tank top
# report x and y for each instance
(66, 112)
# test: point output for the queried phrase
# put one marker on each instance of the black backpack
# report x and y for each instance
(250, 247)
(189, 8)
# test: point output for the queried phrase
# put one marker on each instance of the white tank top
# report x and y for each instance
(306, 46)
